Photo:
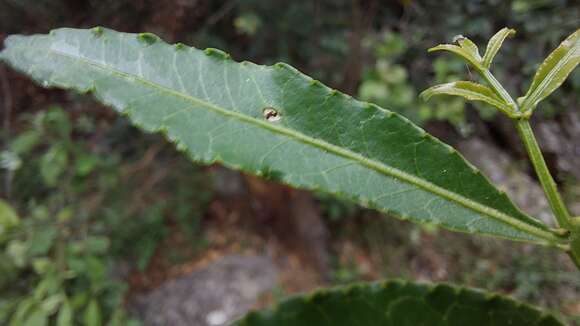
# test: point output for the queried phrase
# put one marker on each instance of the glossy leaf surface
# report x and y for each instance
(275, 122)
(399, 304)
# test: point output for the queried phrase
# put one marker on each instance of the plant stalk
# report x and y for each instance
(557, 205)
(533, 149)
(574, 252)
(546, 179)
(550, 188)
(499, 90)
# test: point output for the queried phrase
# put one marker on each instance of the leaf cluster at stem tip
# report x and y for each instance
(550, 75)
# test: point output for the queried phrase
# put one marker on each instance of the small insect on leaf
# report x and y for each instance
(457, 38)
(271, 115)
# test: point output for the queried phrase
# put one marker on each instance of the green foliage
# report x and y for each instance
(553, 72)
(139, 238)
(541, 25)
(550, 75)
(52, 269)
(468, 90)
(466, 50)
(284, 125)
(8, 219)
(399, 303)
(494, 44)
(150, 89)
(66, 273)
(388, 83)
(55, 261)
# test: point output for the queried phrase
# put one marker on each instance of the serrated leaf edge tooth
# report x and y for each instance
(179, 46)
(287, 67)
(350, 290)
(148, 38)
(217, 53)
(97, 31)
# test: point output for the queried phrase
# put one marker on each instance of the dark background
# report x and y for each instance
(126, 213)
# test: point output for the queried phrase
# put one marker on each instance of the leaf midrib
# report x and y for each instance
(369, 163)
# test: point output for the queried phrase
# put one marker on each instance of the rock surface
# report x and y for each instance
(212, 296)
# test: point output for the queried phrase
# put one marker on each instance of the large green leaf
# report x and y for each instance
(275, 122)
(399, 303)
(553, 71)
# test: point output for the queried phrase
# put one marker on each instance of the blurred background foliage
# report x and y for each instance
(89, 202)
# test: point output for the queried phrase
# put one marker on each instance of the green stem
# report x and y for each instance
(550, 188)
(499, 90)
(546, 180)
(535, 154)
(574, 251)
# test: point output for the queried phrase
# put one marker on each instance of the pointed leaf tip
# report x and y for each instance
(212, 52)
(467, 52)
(495, 44)
(148, 38)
